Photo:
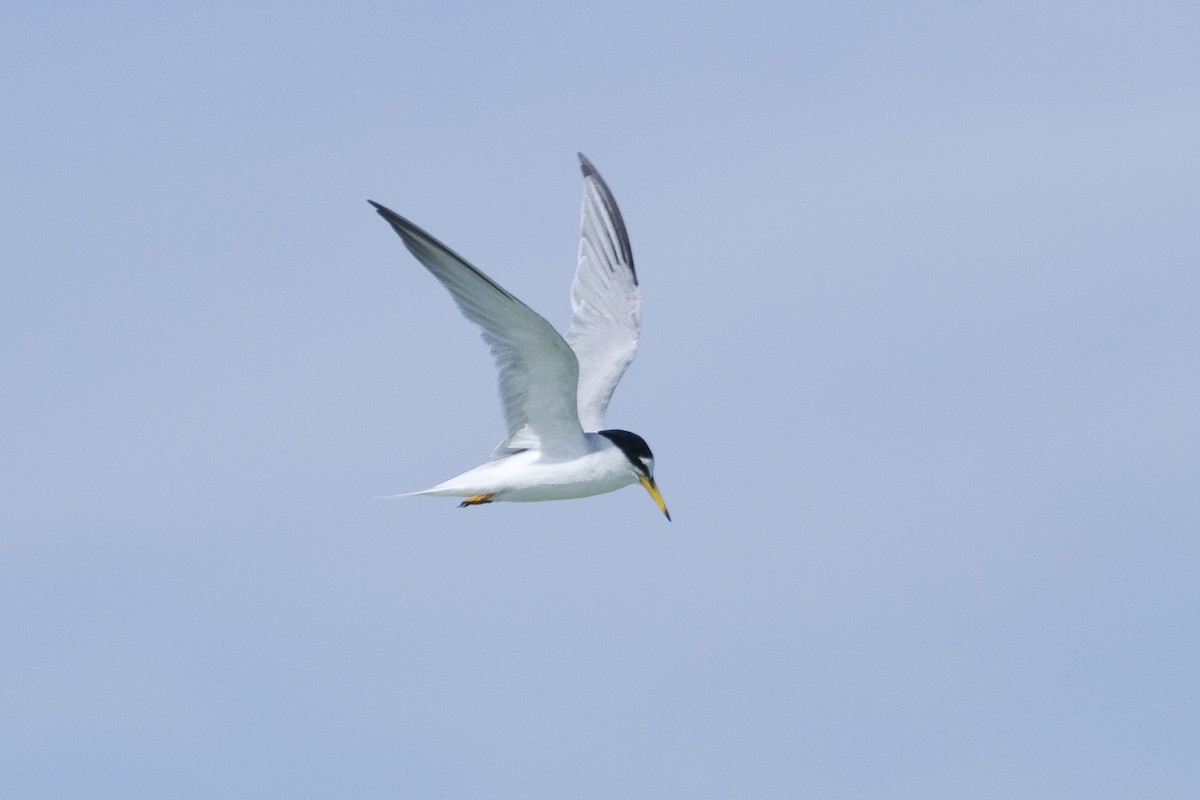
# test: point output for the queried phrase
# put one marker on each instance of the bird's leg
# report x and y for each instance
(476, 500)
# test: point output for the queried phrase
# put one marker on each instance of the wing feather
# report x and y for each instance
(539, 372)
(605, 300)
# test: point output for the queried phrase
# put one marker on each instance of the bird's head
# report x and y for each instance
(641, 462)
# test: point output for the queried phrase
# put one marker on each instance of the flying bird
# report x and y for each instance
(554, 389)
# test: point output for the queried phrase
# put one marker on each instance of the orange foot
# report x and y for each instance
(476, 500)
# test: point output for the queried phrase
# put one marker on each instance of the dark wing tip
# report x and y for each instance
(610, 203)
(399, 224)
(402, 226)
(386, 213)
(428, 250)
(586, 166)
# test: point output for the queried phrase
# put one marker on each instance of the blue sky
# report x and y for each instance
(920, 367)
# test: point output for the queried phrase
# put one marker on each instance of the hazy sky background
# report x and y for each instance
(920, 367)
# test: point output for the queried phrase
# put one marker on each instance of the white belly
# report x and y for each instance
(524, 477)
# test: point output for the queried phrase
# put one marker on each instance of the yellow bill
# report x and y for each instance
(652, 488)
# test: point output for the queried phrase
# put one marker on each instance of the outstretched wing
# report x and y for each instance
(605, 300)
(538, 370)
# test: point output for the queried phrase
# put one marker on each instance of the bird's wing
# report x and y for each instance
(605, 300)
(538, 370)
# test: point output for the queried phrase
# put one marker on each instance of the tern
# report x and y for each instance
(554, 390)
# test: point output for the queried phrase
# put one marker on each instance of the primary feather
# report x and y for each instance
(605, 300)
(538, 371)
